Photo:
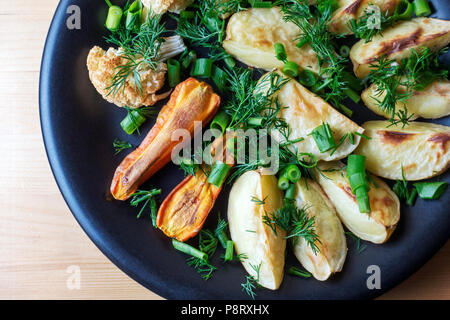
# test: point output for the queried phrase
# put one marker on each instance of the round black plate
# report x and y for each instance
(79, 128)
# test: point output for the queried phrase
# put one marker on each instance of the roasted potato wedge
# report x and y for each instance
(431, 103)
(421, 148)
(333, 245)
(375, 227)
(191, 101)
(354, 9)
(251, 35)
(397, 41)
(250, 235)
(304, 111)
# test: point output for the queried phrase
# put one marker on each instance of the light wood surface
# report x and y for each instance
(39, 238)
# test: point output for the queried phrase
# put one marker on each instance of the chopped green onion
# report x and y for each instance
(202, 68)
(344, 51)
(290, 192)
(261, 4)
(132, 122)
(302, 42)
(358, 180)
(280, 52)
(223, 238)
(411, 198)
(323, 137)
(362, 136)
(153, 211)
(283, 183)
(134, 14)
(190, 250)
(290, 69)
(174, 72)
(352, 95)
(347, 111)
(362, 198)
(355, 164)
(422, 8)
(352, 138)
(189, 59)
(312, 160)
(114, 17)
(307, 78)
(220, 121)
(292, 172)
(187, 14)
(220, 78)
(229, 61)
(256, 121)
(404, 10)
(352, 81)
(430, 190)
(229, 250)
(218, 173)
(299, 273)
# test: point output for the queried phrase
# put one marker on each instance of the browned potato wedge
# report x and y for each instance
(431, 103)
(421, 148)
(250, 235)
(376, 227)
(354, 9)
(251, 35)
(333, 245)
(397, 41)
(305, 111)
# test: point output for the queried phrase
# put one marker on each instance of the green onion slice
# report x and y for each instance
(190, 250)
(307, 78)
(132, 122)
(174, 72)
(323, 137)
(283, 183)
(421, 8)
(114, 18)
(290, 69)
(218, 173)
(220, 121)
(430, 190)
(280, 52)
(203, 68)
(229, 250)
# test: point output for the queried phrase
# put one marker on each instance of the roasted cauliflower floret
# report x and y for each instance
(102, 66)
(162, 6)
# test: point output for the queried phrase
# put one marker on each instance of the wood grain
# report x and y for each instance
(39, 238)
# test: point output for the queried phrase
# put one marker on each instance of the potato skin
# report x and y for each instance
(397, 41)
(431, 103)
(384, 203)
(251, 35)
(421, 148)
(250, 235)
(354, 9)
(333, 246)
(306, 112)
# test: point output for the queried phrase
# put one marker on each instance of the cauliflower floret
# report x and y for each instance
(102, 68)
(162, 6)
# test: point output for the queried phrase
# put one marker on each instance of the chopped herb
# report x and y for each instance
(119, 146)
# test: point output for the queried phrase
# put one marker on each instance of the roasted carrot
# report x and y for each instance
(192, 100)
(184, 211)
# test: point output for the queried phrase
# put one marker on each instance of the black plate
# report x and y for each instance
(79, 127)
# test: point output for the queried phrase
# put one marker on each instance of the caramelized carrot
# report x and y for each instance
(191, 101)
(184, 211)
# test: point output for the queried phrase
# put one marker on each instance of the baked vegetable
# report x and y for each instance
(304, 111)
(378, 225)
(333, 246)
(397, 41)
(252, 34)
(184, 211)
(250, 234)
(422, 149)
(191, 101)
(431, 103)
(355, 9)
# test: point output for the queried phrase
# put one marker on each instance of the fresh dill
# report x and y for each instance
(146, 199)
(207, 244)
(259, 201)
(296, 222)
(363, 28)
(119, 146)
(252, 282)
(359, 248)
(396, 81)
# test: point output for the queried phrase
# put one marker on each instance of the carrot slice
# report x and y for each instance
(192, 100)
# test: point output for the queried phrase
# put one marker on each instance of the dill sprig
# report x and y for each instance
(398, 81)
(207, 244)
(359, 248)
(119, 146)
(251, 282)
(140, 49)
(146, 198)
(315, 32)
(403, 191)
(363, 29)
(297, 223)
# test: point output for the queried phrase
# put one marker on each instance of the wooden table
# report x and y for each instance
(39, 238)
